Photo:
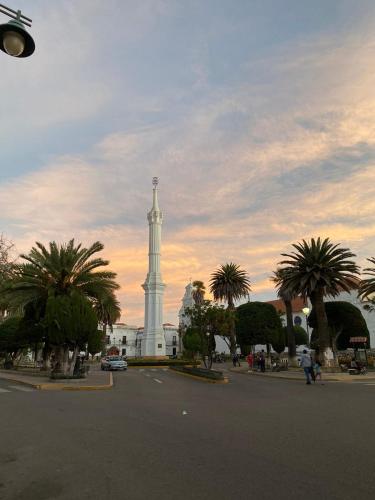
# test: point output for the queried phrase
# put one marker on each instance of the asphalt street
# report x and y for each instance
(159, 435)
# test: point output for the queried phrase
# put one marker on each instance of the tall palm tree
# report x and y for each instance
(108, 310)
(230, 283)
(315, 269)
(367, 286)
(287, 297)
(64, 276)
(198, 292)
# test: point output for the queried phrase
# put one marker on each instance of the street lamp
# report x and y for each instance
(306, 312)
(14, 39)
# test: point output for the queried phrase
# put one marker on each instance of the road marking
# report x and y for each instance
(141, 369)
(158, 381)
(165, 369)
(3, 390)
(153, 369)
(369, 383)
(184, 412)
(21, 388)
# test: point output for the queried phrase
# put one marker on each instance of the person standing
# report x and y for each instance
(262, 361)
(306, 364)
(250, 361)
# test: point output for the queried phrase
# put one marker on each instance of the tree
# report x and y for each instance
(230, 283)
(257, 323)
(58, 286)
(95, 343)
(344, 320)
(7, 264)
(367, 286)
(192, 341)
(299, 333)
(207, 320)
(108, 310)
(12, 342)
(287, 297)
(199, 291)
(316, 269)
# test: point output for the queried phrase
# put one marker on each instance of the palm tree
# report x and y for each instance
(367, 286)
(198, 292)
(108, 311)
(315, 269)
(230, 283)
(287, 297)
(64, 276)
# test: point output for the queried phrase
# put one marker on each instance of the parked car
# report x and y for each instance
(113, 363)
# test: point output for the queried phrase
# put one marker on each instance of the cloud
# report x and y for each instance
(247, 166)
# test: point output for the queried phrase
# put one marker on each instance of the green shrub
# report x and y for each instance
(199, 372)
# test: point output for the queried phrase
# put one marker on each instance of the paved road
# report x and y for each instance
(159, 435)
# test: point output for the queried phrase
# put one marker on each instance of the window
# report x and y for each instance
(107, 339)
(124, 339)
(174, 340)
(123, 352)
(297, 320)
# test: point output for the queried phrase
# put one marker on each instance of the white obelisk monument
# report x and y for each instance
(153, 342)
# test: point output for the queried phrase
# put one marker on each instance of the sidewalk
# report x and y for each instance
(295, 374)
(96, 380)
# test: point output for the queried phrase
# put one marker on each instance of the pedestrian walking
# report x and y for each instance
(250, 361)
(235, 359)
(318, 370)
(262, 361)
(306, 364)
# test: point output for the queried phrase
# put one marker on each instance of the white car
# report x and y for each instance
(113, 363)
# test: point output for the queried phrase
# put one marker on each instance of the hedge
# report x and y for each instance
(162, 362)
(199, 372)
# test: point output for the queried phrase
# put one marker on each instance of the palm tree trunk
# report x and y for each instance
(325, 351)
(290, 332)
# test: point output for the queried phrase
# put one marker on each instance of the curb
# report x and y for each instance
(202, 379)
(276, 376)
(64, 387)
(290, 377)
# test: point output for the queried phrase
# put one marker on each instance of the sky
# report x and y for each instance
(258, 117)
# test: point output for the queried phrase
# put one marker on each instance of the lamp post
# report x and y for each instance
(306, 312)
(208, 364)
(14, 39)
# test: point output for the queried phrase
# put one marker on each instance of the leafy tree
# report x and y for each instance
(278, 341)
(12, 342)
(300, 335)
(212, 319)
(192, 341)
(315, 269)
(286, 296)
(7, 265)
(257, 323)
(344, 320)
(95, 343)
(59, 285)
(230, 283)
